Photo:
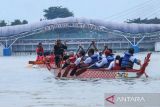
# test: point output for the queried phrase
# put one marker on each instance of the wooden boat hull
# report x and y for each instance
(101, 74)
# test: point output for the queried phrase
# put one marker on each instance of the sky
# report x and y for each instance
(110, 10)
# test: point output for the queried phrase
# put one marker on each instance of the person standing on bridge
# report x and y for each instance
(59, 50)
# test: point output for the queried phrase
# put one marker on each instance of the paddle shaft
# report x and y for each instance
(74, 71)
(97, 61)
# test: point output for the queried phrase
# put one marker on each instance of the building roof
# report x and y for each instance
(122, 27)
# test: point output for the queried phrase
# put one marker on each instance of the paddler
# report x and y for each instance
(93, 57)
(70, 60)
(74, 66)
(49, 58)
(129, 59)
(59, 50)
(40, 52)
(40, 57)
(106, 60)
(115, 65)
(39, 49)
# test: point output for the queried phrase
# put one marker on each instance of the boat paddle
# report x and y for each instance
(59, 74)
(82, 70)
(79, 72)
(65, 73)
(73, 72)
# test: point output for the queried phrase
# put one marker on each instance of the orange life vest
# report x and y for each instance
(40, 58)
(38, 50)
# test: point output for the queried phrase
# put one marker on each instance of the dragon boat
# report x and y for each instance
(104, 74)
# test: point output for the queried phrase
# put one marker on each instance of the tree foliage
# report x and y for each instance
(3, 23)
(19, 22)
(16, 22)
(144, 21)
(24, 22)
(57, 12)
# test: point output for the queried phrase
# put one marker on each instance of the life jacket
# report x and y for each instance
(94, 58)
(116, 66)
(100, 57)
(126, 62)
(109, 58)
(40, 50)
(40, 58)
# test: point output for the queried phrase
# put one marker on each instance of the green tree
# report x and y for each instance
(16, 22)
(3, 23)
(24, 22)
(144, 21)
(57, 12)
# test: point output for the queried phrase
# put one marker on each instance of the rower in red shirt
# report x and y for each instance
(39, 49)
(40, 52)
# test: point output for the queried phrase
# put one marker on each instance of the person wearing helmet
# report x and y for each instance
(129, 59)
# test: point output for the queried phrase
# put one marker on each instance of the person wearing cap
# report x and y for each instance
(129, 59)
(106, 60)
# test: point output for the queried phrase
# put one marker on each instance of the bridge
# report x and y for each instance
(134, 34)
